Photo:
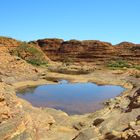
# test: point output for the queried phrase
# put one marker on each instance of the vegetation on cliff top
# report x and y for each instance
(30, 53)
(9, 42)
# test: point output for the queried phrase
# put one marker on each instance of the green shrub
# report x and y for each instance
(30, 53)
(137, 67)
(118, 64)
(122, 64)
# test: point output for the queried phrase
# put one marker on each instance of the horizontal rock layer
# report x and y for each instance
(89, 50)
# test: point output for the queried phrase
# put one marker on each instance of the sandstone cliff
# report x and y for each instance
(30, 52)
(89, 50)
(9, 42)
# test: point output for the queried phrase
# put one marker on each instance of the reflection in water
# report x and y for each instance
(28, 90)
(73, 98)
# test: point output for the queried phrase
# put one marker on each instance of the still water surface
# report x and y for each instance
(73, 98)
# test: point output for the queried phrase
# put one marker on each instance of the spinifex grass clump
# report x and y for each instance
(137, 67)
(30, 53)
(119, 64)
(114, 64)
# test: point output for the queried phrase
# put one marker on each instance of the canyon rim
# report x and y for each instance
(25, 64)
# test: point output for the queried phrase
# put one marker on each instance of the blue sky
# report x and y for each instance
(107, 20)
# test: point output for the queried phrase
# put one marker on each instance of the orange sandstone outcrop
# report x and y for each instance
(9, 42)
(89, 50)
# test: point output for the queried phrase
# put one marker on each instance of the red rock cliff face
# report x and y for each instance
(128, 51)
(89, 50)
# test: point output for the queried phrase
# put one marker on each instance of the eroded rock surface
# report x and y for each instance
(119, 120)
(89, 51)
